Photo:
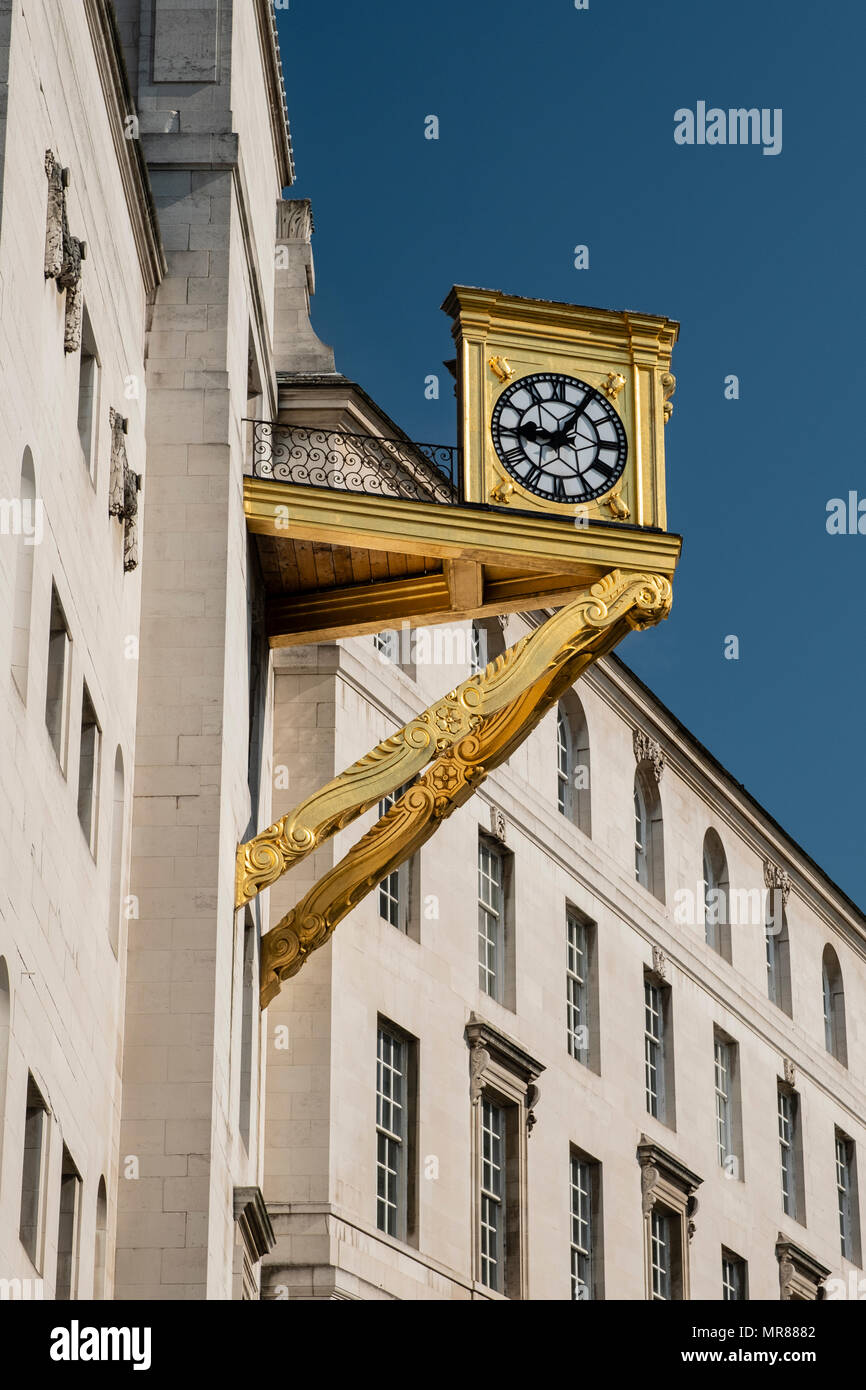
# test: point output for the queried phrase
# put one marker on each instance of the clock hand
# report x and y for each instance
(536, 434)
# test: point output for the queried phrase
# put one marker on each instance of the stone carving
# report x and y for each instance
(789, 1071)
(776, 878)
(646, 750)
(660, 965)
(786, 1275)
(649, 1176)
(613, 385)
(479, 1058)
(533, 1096)
(691, 1213)
(497, 823)
(123, 489)
(295, 219)
(64, 253)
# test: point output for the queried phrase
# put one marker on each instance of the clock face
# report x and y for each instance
(558, 437)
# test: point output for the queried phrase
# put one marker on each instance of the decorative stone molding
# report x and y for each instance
(649, 1176)
(256, 1233)
(777, 879)
(295, 219)
(64, 253)
(503, 1072)
(123, 489)
(665, 1181)
(660, 963)
(498, 824)
(801, 1276)
(479, 1058)
(495, 1058)
(789, 1071)
(647, 750)
(533, 1096)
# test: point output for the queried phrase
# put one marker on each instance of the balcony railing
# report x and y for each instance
(361, 463)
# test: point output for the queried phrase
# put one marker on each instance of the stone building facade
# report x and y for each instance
(708, 1165)
(526, 1065)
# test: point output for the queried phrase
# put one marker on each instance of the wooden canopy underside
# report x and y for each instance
(339, 564)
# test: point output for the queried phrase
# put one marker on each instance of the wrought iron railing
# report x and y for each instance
(321, 457)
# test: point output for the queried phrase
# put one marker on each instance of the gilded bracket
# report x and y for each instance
(470, 732)
(395, 761)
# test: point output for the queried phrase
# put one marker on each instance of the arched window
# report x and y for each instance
(717, 928)
(649, 863)
(778, 955)
(835, 1039)
(101, 1242)
(572, 762)
(29, 524)
(117, 818)
(5, 1023)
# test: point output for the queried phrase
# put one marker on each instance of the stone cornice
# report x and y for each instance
(612, 681)
(130, 158)
(507, 1052)
(273, 67)
(252, 1217)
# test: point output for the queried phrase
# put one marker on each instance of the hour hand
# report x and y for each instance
(536, 434)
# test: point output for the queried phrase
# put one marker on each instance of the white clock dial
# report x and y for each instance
(558, 437)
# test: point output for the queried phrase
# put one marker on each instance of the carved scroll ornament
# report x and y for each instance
(473, 730)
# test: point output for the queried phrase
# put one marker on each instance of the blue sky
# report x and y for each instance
(556, 129)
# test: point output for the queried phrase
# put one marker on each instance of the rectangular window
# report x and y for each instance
(847, 1199)
(788, 1151)
(57, 688)
(387, 644)
(577, 993)
(32, 1180)
(491, 919)
(733, 1278)
(662, 1253)
(68, 1228)
(395, 1137)
(492, 1195)
(88, 770)
(654, 1049)
(88, 393)
(724, 1136)
(394, 889)
(585, 1228)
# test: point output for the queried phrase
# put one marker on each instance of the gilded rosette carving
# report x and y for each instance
(507, 702)
(637, 600)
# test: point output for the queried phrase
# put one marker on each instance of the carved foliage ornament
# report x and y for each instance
(660, 965)
(646, 750)
(63, 252)
(777, 879)
(497, 710)
(123, 490)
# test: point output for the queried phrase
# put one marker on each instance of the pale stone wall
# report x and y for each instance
(66, 982)
(321, 1092)
(213, 181)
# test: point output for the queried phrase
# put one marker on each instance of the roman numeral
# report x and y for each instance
(514, 457)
